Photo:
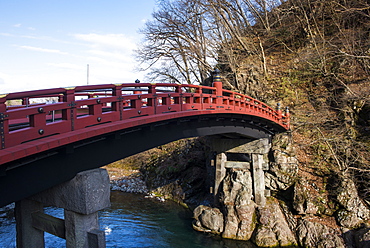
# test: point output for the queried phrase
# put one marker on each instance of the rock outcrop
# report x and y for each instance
(273, 228)
(238, 207)
(312, 234)
(283, 164)
(297, 214)
(354, 213)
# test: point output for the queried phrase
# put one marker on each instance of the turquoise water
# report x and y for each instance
(135, 221)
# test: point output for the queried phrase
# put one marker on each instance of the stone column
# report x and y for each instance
(220, 170)
(258, 179)
(77, 228)
(82, 198)
(27, 235)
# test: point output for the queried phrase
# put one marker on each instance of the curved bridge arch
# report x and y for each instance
(35, 164)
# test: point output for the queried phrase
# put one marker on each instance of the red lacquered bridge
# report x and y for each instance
(47, 136)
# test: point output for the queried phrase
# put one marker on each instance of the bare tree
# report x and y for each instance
(177, 38)
(192, 36)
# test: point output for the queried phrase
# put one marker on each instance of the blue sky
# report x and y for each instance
(47, 44)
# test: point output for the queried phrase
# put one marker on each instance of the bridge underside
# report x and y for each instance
(30, 175)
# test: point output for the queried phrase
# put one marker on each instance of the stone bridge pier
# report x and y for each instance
(240, 154)
(81, 198)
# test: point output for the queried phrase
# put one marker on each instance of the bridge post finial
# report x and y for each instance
(137, 81)
(217, 83)
(278, 109)
(287, 116)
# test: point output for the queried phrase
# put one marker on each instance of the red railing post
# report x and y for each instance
(218, 85)
(152, 91)
(198, 91)
(4, 122)
(118, 105)
(26, 101)
(178, 99)
(69, 114)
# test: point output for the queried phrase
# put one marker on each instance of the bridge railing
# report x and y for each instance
(44, 113)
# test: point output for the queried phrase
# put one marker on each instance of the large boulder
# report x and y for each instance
(208, 219)
(240, 221)
(354, 212)
(312, 234)
(276, 223)
(273, 228)
(283, 168)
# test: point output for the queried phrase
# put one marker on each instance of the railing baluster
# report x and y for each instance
(4, 122)
(118, 105)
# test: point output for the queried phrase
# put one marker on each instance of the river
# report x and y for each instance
(135, 221)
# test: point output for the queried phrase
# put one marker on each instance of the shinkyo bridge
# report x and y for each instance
(52, 139)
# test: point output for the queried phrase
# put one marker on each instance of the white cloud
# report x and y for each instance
(6, 34)
(114, 51)
(67, 66)
(18, 25)
(110, 59)
(40, 49)
(109, 41)
(32, 37)
(112, 55)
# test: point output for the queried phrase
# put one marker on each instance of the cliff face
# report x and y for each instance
(315, 59)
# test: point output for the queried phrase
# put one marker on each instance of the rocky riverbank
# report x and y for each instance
(131, 181)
